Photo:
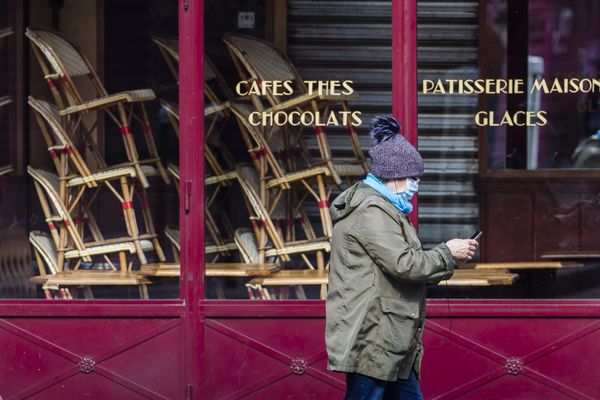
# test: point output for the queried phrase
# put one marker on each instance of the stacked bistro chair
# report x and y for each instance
(63, 66)
(219, 161)
(258, 61)
(274, 180)
(57, 283)
(69, 236)
(221, 243)
(169, 48)
(271, 242)
(75, 175)
(257, 287)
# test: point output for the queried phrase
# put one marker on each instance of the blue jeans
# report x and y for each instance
(361, 387)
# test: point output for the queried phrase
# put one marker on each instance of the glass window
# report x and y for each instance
(290, 89)
(87, 196)
(548, 52)
(507, 123)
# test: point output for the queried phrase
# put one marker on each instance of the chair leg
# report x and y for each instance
(356, 147)
(152, 144)
(219, 290)
(61, 246)
(143, 289)
(324, 147)
(149, 222)
(324, 207)
(175, 253)
(130, 146)
(122, 262)
(130, 220)
(87, 293)
(300, 292)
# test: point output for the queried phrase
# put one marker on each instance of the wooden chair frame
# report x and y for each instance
(266, 231)
(61, 61)
(75, 173)
(52, 278)
(169, 48)
(220, 179)
(271, 64)
(267, 164)
(68, 238)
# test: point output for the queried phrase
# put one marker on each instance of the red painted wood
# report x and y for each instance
(465, 358)
(87, 308)
(248, 347)
(191, 150)
(435, 308)
(262, 353)
(404, 75)
(469, 358)
(42, 358)
(153, 357)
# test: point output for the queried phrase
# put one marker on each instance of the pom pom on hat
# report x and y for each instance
(383, 128)
(392, 156)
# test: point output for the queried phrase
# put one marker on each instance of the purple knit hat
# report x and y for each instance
(393, 157)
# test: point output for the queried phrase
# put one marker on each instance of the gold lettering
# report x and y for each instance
(251, 118)
(310, 86)
(542, 118)
(238, 88)
(348, 88)
(356, 119)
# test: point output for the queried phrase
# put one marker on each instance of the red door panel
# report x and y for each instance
(465, 358)
(511, 358)
(95, 358)
(268, 358)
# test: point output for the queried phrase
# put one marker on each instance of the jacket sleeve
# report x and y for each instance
(385, 243)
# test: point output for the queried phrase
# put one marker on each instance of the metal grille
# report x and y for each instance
(346, 39)
(447, 49)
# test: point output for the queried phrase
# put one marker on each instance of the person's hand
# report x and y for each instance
(462, 249)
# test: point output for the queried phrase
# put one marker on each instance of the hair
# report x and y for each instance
(384, 128)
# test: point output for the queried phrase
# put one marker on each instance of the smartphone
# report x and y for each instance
(476, 235)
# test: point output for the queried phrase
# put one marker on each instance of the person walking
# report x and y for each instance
(378, 273)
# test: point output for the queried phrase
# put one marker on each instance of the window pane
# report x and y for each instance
(536, 224)
(552, 48)
(86, 194)
(271, 228)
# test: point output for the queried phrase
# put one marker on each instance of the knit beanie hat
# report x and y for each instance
(393, 157)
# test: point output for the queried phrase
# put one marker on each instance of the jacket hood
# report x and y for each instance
(349, 200)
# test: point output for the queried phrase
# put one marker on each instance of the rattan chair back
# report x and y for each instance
(44, 246)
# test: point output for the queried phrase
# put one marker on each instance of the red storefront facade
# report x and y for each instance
(195, 348)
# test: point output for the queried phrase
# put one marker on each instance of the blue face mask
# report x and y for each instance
(412, 187)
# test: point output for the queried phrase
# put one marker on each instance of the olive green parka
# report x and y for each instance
(377, 276)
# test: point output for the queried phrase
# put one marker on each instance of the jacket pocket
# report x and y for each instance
(397, 330)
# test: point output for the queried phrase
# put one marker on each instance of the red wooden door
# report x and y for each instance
(262, 351)
(82, 356)
(509, 350)
(113, 349)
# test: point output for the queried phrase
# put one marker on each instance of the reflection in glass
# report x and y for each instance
(269, 179)
(86, 195)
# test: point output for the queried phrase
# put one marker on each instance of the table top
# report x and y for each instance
(294, 277)
(573, 255)
(478, 277)
(213, 269)
(91, 278)
(527, 265)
